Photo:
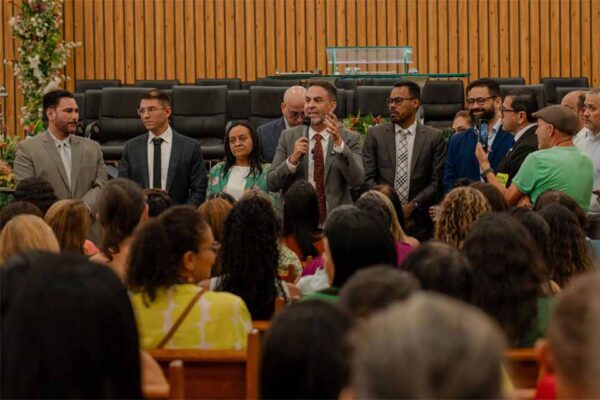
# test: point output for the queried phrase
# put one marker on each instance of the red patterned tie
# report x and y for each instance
(319, 176)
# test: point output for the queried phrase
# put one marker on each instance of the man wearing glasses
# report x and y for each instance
(162, 158)
(292, 110)
(484, 101)
(408, 156)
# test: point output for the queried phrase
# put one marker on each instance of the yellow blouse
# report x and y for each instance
(218, 320)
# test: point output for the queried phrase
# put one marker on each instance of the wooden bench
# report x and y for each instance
(525, 372)
(217, 374)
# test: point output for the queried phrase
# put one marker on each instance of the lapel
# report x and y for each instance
(417, 147)
(143, 151)
(176, 150)
(329, 159)
(50, 147)
(389, 138)
(75, 161)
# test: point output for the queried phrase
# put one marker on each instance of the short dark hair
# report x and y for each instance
(301, 216)
(489, 83)
(158, 201)
(159, 95)
(524, 99)
(18, 208)
(413, 89)
(37, 191)
(51, 99)
(373, 289)
(492, 194)
(330, 87)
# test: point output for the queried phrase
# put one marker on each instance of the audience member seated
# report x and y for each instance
(70, 220)
(572, 344)
(427, 347)
(538, 229)
(393, 196)
(18, 208)
(242, 169)
(353, 240)
(373, 289)
(462, 121)
(250, 257)
(70, 322)
(36, 191)
(24, 233)
(587, 141)
(121, 209)
(568, 251)
(305, 355)
(493, 196)
(509, 278)
(301, 231)
(222, 195)
(441, 268)
(215, 212)
(459, 209)
(169, 256)
(158, 201)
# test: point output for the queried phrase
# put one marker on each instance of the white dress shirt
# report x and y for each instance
(492, 132)
(64, 150)
(236, 184)
(522, 132)
(589, 144)
(411, 132)
(165, 155)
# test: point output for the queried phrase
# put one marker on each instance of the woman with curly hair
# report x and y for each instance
(169, 257)
(508, 279)
(459, 209)
(568, 251)
(250, 256)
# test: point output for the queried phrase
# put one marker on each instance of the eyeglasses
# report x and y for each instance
(479, 100)
(149, 110)
(214, 247)
(505, 110)
(296, 114)
(397, 100)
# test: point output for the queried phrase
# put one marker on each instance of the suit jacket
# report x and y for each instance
(427, 163)
(526, 144)
(268, 134)
(342, 170)
(186, 177)
(461, 161)
(39, 156)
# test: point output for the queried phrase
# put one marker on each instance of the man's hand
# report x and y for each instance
(300, 149)
(481, 157)
(525, 202)
(332, 125)
(408, 209)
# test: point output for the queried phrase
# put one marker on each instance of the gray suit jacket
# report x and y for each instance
(427, 163)
(38, 156)
(269, 134)
(342, 171)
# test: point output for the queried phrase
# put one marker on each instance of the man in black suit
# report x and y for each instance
(162, 158)
(408, 156)
(517, 119)
(292, 110)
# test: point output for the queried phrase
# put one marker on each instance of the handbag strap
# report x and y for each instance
(175, 326)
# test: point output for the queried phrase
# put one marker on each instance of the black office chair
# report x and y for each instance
(81, 85)
(157, 84)
(550, 85)
(372, 99)
(517, 80)
(538, 89)
(441, 100)
(265, 104)
(231, 83)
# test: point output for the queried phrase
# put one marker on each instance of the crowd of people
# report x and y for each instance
(406, 264)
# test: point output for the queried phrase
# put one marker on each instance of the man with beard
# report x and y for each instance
(71, 164)
(484, 101)
(408, 156)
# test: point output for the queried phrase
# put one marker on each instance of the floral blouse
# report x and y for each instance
(218, 179)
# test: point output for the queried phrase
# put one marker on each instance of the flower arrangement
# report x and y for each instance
(361, 123)
(40, 58)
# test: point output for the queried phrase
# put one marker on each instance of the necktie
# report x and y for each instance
(156, 170)
(319, 176)
(401, 177)
(64, 155)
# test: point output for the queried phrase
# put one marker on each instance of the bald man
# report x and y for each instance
(575, 101)
(292, 109)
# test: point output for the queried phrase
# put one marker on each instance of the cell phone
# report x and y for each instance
(483, 133)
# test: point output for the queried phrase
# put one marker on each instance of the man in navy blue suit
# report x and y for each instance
(484, 102)
(292, 109)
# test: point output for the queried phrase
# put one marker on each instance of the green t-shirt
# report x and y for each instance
(559, 168)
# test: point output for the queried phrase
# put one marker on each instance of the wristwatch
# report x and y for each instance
(485, 173)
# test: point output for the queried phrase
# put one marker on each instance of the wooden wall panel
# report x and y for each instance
(250, 39)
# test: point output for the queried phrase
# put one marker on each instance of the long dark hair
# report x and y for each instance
(255, 157)
(301, 216)
(250, 255)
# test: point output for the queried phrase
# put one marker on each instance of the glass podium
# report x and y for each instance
(355, 59)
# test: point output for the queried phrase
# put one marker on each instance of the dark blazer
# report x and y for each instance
(526, 144)
(461, 161)
(342, 170)
(268, 134)
(427, 163)
(186, 178)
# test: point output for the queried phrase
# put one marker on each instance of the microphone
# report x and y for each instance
(305, 126)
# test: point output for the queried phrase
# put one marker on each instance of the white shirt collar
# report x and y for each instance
(411, 129)
(522, 132)
(167, 135)
(323, 133)
(58, 142)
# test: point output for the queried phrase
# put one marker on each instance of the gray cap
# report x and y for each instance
(561, 117)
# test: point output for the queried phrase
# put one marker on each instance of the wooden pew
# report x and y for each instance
(174, 390)
(217, 374)
(524, 370)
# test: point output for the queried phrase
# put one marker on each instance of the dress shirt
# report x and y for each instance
(64, 150)
(492, 132)
(589, 144)
(522, 132)
(311, 147)
(236, 184)
(411, 132)
(165, 155)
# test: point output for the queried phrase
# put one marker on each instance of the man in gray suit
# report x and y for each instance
(292, 110)
(325, 154)
(71, 164)
(408, 156)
